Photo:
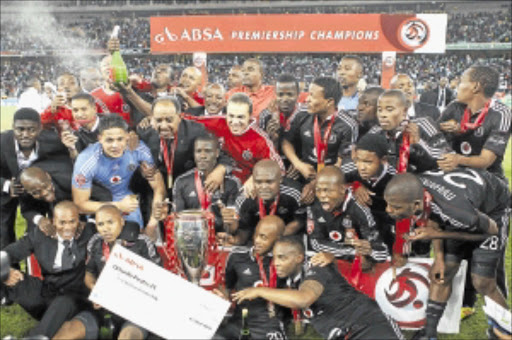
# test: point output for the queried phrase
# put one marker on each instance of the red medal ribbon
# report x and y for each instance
(322, 143)
(402, 226)
(273, 207)
(285, 121)
(465, 125)
(169, 159)
(106, 251)
(271, 282)
(403, 153)
(204, 196)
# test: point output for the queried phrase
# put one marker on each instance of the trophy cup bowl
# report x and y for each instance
(191, 241)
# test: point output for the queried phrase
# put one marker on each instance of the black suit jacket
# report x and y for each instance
(431, 97)
(49, 144)
(200, 111)
(426, 110)
(44, 249)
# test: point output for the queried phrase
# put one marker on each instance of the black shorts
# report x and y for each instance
(93, 320)
(485, 254)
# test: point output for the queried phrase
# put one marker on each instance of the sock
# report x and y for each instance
(434, 313)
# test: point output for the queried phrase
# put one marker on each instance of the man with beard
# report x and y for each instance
(214, 102)
(189, 190)
(466, 214)
(241, 141)
(235, 77)
(287, 91)
(59, 110)
(254, 267)
(334, 308)
(275, 195)
(21, 147)
(416, 109)
(90, 79)
(350, 71)
(320, 136)
(338, 226)
(420, 136)
(367, 110)
(252, 85)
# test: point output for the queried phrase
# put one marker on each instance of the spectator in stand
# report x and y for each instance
(252, 80)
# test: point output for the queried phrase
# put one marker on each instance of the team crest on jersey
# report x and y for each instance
(310, 227)
(335, 235)
(308, 313)
(247, 155)
(132, 167)
(479, 132)
(332, 139)
(258, 283)
(465, 148)
(80, 180)
(115, 179)
(126, 108)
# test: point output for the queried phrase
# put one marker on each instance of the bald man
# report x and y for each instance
(188, 87)
(338, 226)
(275, 195)
(416, 109)
(253, 267)
(90, 78)
(466, 214)
(62, 292)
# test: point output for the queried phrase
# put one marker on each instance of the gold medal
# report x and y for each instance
(169, 181)
(299, 328)
(271, 310)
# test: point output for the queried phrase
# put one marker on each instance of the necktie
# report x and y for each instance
(441, 98)
(67, 256)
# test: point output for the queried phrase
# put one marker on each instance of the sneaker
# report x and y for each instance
(466, 312)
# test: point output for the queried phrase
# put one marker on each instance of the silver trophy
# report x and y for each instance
(191, 242)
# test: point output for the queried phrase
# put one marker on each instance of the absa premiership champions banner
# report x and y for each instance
(406, 33)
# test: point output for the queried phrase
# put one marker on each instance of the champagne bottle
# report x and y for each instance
(118, 71)
(245, 332)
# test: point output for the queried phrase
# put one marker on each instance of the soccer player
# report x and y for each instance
(369, 173)
(189, 191)
(416, 109)
(61, 293)
(254, 267)
(240, 140)
(424, 141)
(319, 136)
(252, 85)
(86, 324)
(275, 195)
(466, 214)
(477, 126)
(349, 72)
(338, 226)
(367, 110)
(112, 165)
(334, 308)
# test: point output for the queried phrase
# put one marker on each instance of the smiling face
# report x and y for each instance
(109, 223)
(205, 155)
(286, 97)
(26, 132)
(66, 222)
(214, 100)
(329, 192)
(165, 119)
(390, 112)
(264, 238)
(40, 188)
(113, 142)
(190, 79)
(238, 117)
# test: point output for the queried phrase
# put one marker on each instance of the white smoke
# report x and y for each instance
(35, 23)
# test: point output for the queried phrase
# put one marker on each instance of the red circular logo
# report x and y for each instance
(335, 235)
(413, 33)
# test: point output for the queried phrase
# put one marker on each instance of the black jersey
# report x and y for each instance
(96, 260)
(326, 230)
(341, 309)
(288, 209)
(242, 271)
(301, 136)
(423, 155)
(460, 197)
(492, 135)
(184, 194)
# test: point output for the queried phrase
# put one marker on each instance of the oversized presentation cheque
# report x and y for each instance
(156, 299)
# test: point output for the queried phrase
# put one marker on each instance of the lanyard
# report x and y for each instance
(421, 221)
(271, 282)
(285, 121)
(169, 160)
(106, 251)
(465, 125)
(321, 143)
(273, 207)
(204, 197)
